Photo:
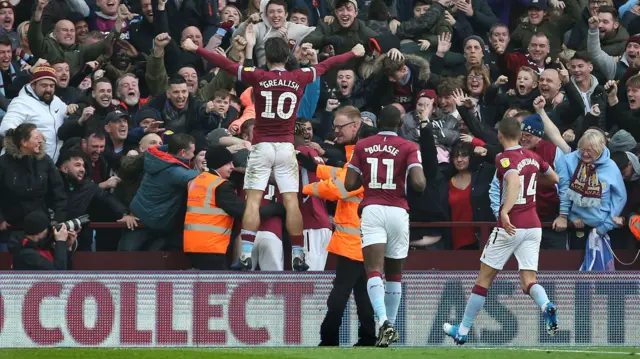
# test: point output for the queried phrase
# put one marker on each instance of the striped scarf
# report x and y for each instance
(12, 75)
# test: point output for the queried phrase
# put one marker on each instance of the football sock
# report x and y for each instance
(297, 240)
(539, 295)
(474, 306)
(392, 296)
(375, 289)
(248, 238)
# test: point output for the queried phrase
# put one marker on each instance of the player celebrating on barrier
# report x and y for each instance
(381, 164)
(518, 230)
(277, 96)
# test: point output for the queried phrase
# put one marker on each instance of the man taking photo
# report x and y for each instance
(35, 251)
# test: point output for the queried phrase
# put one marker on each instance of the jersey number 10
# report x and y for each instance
(531, 189)
(388, 183)
(268, 105)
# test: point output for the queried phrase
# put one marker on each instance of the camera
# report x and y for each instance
(73, 224)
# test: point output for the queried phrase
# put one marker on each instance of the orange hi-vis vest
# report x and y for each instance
(207, 228)
(346, 239)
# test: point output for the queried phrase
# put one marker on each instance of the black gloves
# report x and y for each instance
(307, 162)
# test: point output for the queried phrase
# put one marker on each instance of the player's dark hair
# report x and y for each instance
(277, 2)
(101, 80)
(95, 133)
(276, 50)
(179, 142)
(175, 80)
(301, 10)
(510, 128)
(417, 3)
(5, 40)
(390, 118)
(610, 10)
(582, 55)
(391, 67)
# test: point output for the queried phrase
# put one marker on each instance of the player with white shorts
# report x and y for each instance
(518, 231)
(386, 225)
(384, 165)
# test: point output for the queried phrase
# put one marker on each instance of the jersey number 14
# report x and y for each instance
(280, 104)
(531, 189)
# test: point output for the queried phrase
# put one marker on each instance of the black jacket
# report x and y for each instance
(195, 114)
(142, 34)
(27, 255)
(27, 184)
(85, 195)
(71, 95)
(71, 128)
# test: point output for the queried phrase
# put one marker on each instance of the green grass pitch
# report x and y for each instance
(326, 353)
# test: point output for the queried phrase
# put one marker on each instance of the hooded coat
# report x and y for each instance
(613, 198)
(28, 184)
(163, 190)
(28, 108)
(379, 90)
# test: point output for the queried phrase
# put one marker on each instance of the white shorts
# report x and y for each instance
(279, 157)
(267, 253)
(386, 224)
(525, 245)
(315, 247)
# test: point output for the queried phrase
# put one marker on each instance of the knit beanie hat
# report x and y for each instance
(634, 39)
(44, 72)
(428, 93)
(371, 116)
(473, 37)
(533, 124)
(218, 156)
(622, 141)
(36, 222)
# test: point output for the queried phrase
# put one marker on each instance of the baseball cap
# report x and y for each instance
(539, 4)
(116, 115)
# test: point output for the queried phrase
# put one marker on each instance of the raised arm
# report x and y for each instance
(326, 65)
(550, 129)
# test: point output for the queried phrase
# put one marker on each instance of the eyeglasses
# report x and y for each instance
(475, 77)
(340, 127)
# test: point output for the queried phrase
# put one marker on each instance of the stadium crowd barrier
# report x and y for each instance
(443, 260)
(204, 309)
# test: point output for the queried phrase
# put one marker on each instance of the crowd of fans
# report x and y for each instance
(89, 89)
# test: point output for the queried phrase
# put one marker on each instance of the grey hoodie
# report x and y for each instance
(594, 84)
(264, 31)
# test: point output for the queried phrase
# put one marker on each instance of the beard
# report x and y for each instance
(46, 98)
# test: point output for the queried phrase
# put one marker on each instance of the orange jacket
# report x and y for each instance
(346, 239)
(248, 113)
(207, 228)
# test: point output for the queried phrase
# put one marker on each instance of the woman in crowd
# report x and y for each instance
(467, 194)
(29, 180)
(591, 188)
